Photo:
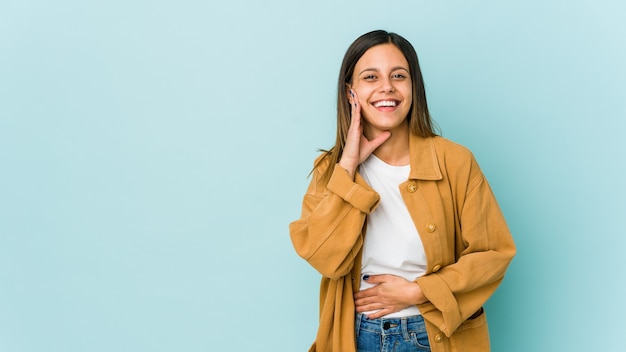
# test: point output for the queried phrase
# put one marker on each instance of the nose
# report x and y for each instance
(386, 85)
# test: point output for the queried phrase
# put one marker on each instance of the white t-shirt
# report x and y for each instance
(392, 244)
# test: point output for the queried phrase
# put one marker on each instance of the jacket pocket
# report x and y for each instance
(472, 335)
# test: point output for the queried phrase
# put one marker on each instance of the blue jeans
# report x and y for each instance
(391, 335)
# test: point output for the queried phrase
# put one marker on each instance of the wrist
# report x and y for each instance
(418, 295)
(351, 170)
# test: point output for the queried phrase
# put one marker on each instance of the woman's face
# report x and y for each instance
(382, 82)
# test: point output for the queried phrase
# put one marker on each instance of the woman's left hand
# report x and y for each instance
(391, 294)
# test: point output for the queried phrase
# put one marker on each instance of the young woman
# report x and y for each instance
(400, 222)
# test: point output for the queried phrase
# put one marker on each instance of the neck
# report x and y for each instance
(395, 150)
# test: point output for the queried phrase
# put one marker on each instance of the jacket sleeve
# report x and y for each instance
(484, 250)
(328, 234)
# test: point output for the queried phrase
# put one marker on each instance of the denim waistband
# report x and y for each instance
(387, 326)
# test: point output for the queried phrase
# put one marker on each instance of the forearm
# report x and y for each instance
(329, 232)
(416, 295)
(458, 289)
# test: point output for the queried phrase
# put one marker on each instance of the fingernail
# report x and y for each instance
(366, 277)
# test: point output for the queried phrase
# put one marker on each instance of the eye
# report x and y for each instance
(398, 76)
(369, 77)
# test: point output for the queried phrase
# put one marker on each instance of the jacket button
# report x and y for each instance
(436, 268)
(438, 338)
(412, 187)
(430, 227)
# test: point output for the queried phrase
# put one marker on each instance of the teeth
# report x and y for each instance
(385, 103)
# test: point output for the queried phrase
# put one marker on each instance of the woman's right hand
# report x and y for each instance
(358, 147)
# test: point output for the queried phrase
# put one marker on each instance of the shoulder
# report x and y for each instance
(321, 163)
(451, 149)
(455, 160)
(323, 167)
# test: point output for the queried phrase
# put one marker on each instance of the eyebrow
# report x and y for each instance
(392, 69)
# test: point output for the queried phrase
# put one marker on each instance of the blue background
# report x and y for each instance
(152, 154)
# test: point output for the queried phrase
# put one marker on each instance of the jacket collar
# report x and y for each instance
(424, 161)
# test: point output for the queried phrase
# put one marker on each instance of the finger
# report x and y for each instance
(366, 293)
(354, 99)
(379, 314)
(365, 302)
(368, 307)
(380, 139)
(369, 303)
(369, 147)
(378, 279)
(354, 130)
(367, 296)
(356, 108)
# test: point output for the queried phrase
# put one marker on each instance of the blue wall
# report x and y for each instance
(152, 154)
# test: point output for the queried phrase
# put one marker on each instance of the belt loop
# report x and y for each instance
(357, 324)
(405, 330)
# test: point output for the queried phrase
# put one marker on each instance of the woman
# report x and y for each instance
(400, 222)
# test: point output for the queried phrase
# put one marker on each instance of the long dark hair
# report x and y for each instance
(420, 122)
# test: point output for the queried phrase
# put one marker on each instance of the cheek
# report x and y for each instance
(408, 96)
(362, 94)
(409, 102)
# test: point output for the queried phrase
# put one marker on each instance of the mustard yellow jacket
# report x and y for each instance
(467, 243)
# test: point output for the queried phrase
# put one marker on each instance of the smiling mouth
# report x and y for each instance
(385, 103)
